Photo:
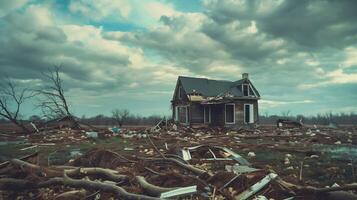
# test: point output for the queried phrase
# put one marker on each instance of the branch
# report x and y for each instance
(150, 188)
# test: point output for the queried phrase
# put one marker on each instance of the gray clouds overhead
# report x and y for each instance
(297, 52)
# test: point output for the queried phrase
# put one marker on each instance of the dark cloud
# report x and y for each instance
(32, 43)
(313, 23)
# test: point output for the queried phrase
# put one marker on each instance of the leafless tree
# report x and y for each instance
(120, 116)
(11, 99)
(53, 102)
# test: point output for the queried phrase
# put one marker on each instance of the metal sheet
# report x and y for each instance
(256, 187)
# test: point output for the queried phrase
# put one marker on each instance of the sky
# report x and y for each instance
(127, 54)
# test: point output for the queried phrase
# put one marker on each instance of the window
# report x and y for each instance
(229, 113)
(179, 93)
(248, 113)
(245, 88)
(207, 114)
(182, 114)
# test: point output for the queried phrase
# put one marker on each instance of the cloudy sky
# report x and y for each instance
(301, 55)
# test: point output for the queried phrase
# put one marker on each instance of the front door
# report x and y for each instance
(248, 113)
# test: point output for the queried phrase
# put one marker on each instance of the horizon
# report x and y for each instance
(300, 55)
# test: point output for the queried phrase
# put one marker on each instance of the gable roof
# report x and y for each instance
(212, 88)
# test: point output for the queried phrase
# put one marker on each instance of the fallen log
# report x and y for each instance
(150, 188)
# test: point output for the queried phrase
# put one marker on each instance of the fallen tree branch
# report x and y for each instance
(32, 168)
(4, 164)
(19, 184)
(57, 172)
(74, 194)
(188, 167)
(94, 185)
(150, 188)
(108, 174)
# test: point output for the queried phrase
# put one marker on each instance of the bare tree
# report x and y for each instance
(11, 99)
(120, 116)
(53, 103)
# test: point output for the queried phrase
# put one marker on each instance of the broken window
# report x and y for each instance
(229, 113)
(245, 90)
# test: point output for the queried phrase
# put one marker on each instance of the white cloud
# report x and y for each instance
(273, 103)
(312, 62)
(351, 57)
(282, 61)
(98, 10)
(157, 9)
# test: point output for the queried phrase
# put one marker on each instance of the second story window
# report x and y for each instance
(180, 93)
(245, 88)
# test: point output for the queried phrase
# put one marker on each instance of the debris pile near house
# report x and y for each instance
(174, 162)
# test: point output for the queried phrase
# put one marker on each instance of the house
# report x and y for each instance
(215, 102)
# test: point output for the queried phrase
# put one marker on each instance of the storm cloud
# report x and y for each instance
(301, 55)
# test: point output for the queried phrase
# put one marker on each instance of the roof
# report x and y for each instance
(212, 88)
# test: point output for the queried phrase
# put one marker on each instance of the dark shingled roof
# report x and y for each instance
(211, 88)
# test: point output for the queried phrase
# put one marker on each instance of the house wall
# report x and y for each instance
(179, 101)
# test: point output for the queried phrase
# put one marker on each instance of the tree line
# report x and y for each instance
(320, 119)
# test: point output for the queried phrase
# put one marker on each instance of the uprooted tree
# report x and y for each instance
(11, 99)
(120, 116)
(53, 102)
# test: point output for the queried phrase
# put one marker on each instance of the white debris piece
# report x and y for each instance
(314, 156)
(338, 142)
(256, 187)
(286, 161)
(251, 154)
(174, 127)
(260, 197)
(92, 134)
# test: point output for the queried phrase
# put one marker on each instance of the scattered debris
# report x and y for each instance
(286, 123)
(181, 162)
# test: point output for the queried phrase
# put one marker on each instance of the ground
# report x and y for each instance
(314, 156)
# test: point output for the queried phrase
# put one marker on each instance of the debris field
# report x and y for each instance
(177, 162)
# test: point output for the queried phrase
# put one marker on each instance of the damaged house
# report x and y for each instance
(215, 102)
